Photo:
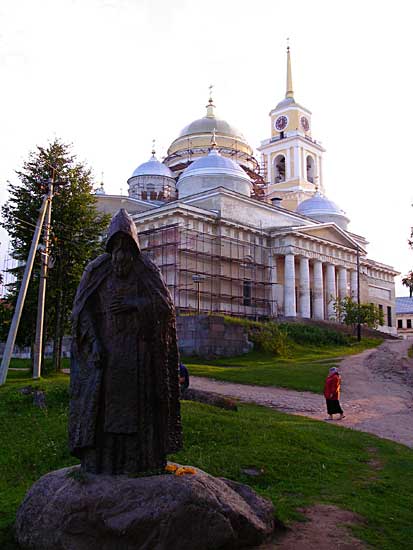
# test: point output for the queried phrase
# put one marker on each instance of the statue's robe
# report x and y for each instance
(124, 413)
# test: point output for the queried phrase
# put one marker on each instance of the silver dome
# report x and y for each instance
(100, 190)
(214, 164)
(323, 209)
(153, 167)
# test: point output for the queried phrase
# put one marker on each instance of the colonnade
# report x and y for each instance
(329, 282)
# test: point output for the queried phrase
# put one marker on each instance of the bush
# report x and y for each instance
(278, 338)
(313, 335)
(268, 337)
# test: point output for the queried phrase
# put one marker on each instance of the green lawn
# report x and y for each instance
(305, 369)
(304, 461)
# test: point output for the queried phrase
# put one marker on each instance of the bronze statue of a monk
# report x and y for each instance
(124, 407)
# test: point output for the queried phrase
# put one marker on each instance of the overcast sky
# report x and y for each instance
(111, 75)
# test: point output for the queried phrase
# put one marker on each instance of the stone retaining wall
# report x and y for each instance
(204, 336)
(209, 336)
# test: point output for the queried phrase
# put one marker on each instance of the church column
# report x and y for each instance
(290, 309)
(320, 173)
(353, 285)
(304, 292)
(287, 165)
(297, 163)
(331, 290)
(318, 290)
(342, 282)
(269, 167)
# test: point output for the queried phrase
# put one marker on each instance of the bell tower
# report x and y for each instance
(291, 157)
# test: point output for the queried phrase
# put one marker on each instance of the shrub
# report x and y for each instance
(313, 335)
(268, 337)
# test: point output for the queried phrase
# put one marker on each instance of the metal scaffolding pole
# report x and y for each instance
(11, 338)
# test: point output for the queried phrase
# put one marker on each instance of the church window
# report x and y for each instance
(246, 293)
(144, 195)
(153, 195)
(399, 323)
(408, 323)
(279, 169)
(310, 169)
(389, 320)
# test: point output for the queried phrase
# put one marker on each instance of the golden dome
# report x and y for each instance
(194, 142)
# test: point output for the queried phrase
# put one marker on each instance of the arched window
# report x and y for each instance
(310, 169)
(279, 169)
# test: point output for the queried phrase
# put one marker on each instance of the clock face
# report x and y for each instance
(281, 123)
(304, 123)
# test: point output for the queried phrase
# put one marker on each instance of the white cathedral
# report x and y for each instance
(254, 239)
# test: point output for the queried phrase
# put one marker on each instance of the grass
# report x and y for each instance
(304, 461)
(304, 370)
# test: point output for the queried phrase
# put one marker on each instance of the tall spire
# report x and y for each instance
(210, 107)
(289, 92)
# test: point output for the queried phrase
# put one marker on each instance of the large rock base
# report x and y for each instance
(69, 510)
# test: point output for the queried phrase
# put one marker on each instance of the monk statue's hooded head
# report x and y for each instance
(122, 243)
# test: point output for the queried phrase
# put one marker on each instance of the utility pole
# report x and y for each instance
(11, 338)
(38, 343)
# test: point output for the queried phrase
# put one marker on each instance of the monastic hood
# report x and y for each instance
(122, 223)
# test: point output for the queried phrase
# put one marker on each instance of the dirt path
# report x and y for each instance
(377, 393)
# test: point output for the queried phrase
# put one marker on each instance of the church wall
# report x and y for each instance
(254, 215)
(197, 184)
(111, 204)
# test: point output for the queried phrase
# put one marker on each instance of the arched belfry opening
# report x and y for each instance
(279, 169)
(310, 168)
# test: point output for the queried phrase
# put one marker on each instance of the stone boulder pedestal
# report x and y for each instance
(69, 510)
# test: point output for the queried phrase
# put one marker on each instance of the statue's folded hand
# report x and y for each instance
(121, 304)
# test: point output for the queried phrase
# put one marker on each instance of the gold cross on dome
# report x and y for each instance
(210, 91)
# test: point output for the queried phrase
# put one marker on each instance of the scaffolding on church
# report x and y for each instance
(212, 273)
(182, 159)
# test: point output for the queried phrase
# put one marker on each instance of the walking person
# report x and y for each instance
(332, 394)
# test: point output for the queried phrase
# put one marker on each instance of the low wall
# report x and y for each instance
(204, 335)
(209, 336)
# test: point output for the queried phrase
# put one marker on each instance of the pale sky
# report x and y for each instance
(111, 75)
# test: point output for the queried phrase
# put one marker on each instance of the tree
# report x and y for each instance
(408, 281)
(351, 313)
(76, 235)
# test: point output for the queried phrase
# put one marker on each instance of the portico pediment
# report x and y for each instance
(329, 232)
